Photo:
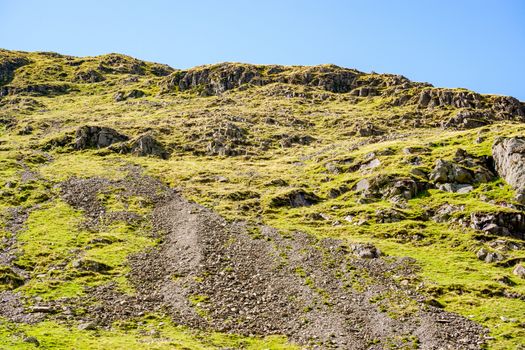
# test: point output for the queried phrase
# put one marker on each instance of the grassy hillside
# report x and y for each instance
(281, 146)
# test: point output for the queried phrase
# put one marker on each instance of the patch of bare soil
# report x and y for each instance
(252, 280)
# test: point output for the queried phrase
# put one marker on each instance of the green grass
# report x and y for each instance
(53, 242)
(154, 333)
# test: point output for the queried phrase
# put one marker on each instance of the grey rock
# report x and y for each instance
(122, 96)
(436, 97)
(504, 223)
(493, 257)
(447, 172)
(416, 150)
(467, 119)
(367, 129)
(455, 188)
(147, 145)
(374, 163)
(219, 78)
(88, 326)
(509, 159)
(419, 172)
(366, 251)
(295, 198)
(88, 76)
(226, 139)
(482, 253)
(97, 137)
(389, 215)
(446, 212)
(362, 185)
(519, 270)
(333, 168)
(91, 265)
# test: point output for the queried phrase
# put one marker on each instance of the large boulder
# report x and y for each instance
(147, 145)
(448, 172)
(509, 160)
(97, 137)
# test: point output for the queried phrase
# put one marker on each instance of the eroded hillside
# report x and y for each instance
(245, 206)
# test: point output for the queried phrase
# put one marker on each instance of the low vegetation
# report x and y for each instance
(286, 147)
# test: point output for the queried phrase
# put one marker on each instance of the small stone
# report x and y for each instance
(362, 185)
(366, 251)
(493, 257)
(87, 326)
(32, 340)
(482, 254)
(349, 218)
(519, 271)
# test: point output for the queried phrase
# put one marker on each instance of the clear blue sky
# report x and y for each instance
(477, 44)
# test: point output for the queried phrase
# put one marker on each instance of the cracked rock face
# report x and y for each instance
(509, 158)
(216, 79)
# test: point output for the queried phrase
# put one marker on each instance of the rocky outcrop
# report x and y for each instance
(465, 170)
(35, 89)
(97, 137)
(294, 198)
(101, 137)
(519, 270)
(226, 140)
(366, 129)
(448, 172)
(91, 266)
(504, 223)
(508, 106)
(478, 109)
(467, 119)
(290, 140)
(88, 76)
(509, 159)
(122, 95)
(216, 79)
(390, 187)
(121, 64)
(8, 65)
(147, 145)
(327, 77)
(431, 98)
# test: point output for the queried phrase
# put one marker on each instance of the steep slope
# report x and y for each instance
(295, 172)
